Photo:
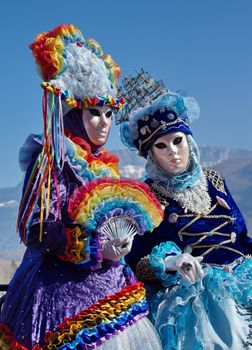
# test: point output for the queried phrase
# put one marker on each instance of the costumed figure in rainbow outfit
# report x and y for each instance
(77, 218)
(196, 265)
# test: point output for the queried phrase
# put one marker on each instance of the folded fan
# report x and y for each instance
(119, 227)
(115, 208)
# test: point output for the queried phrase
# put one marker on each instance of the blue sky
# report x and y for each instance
(201, 46)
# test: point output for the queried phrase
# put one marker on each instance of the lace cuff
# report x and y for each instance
(156, 259)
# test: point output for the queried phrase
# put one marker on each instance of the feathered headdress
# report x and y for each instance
(76, 74)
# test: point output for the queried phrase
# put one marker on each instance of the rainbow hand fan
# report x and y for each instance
(115, 208)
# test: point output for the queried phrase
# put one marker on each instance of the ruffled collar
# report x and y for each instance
(87, 166)
(101, 154)
(195, 199)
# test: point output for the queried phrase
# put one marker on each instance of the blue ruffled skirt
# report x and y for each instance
(215, 313)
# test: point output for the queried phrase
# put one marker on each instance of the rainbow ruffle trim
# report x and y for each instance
(100, 101)
(89, 166)
(93, 326)
(94, 203)
(82, 249)
(7, 341)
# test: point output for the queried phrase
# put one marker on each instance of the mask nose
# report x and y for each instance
(103, 120)
(171, 150)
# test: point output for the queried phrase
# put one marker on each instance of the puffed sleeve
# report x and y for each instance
(60, 235)
(53, 238)
(239, 223)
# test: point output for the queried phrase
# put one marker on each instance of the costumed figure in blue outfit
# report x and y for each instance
(197, 264)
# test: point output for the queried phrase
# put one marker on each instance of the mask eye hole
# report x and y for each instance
(108, 114)
(160, 145)
(177, 140)
(94, 111)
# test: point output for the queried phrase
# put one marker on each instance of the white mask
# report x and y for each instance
(97, 122)
(171, 152)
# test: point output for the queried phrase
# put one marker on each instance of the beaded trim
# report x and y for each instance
(195, 199)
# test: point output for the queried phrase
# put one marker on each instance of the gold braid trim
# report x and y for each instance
(216, 179)
(218, 246)
(212, 232)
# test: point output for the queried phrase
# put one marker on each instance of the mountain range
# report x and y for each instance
(235, 165)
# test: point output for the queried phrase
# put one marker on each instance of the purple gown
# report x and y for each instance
(46, 290)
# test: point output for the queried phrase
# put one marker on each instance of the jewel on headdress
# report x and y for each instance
(154, 123)
(171, 116)
(144, 130)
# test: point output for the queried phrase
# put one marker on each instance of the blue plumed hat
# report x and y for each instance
(166, 112)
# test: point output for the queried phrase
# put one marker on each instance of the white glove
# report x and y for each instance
(187, 265)
(117, 248)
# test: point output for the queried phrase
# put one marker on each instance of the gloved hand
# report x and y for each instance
(117, 248)
(187, 265)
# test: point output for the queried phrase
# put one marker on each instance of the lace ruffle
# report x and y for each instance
(218, 302)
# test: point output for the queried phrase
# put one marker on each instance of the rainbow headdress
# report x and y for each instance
(117, 208)
(76, 74)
